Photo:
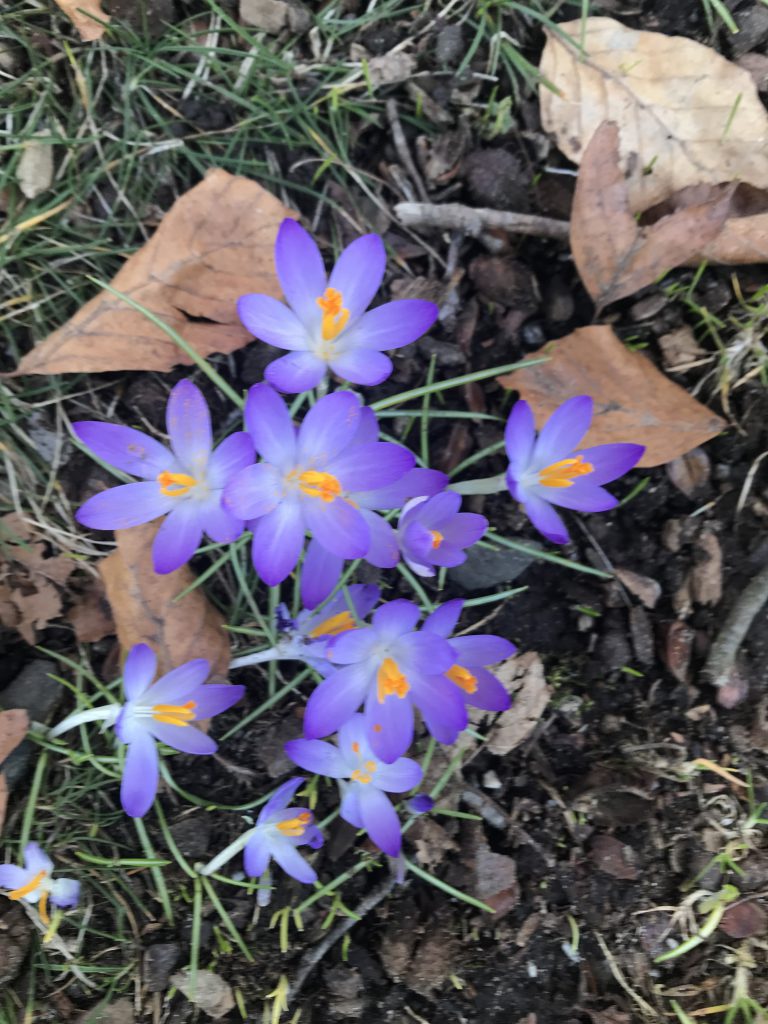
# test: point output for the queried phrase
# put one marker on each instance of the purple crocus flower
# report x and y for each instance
(325, 325)
(432, 532)
(551, 469)
(34, 882)
(364, 802)
(163, 712)
(184, 483)
(391, 667)
(307, 478)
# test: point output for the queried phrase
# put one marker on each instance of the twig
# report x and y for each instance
(401, 145)
(476, 221)
(645, 1008)
(722, 654)
(312, 958)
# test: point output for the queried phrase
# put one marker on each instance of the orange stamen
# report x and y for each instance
(463, 678)
(297, 826)
(42, 908)
(175, 714)
(358, 776)
(25, 890)
(437, 539)
(324, 486)
(561, 474)
(355, 747)
(335, 316)
(390, 681)
(334, 625)
(175, 485)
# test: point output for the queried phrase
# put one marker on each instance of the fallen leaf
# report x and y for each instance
(90, 615)
(523, 678)
(207, 990)
(213, 245)
(744, 920)
(690, 472)
(706, 578)
(391, 67)
(643, 587)
(34, 171)
(3, 800)
(633, 400)
(495, 879)
(146, 611)
(614, 255)
(687, 114)
(13, 729)
(119, 1012)
(82, 14)
(615, 858)
(678, 648)
(679, 347)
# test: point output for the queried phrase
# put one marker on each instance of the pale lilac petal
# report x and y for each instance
(443, 709)
(278, 539)
(398, 777)
(179, 536)
(253, 492)
(269, 423)
(490, 695)
(280, 798)
(416, 483)
(392, 325)
(562, 432)
(185, 738)
(36, 859)
(464, 530)
(124, 448)
(317, 757)
(296, 372)
(353, 742)
(481, 649)
(380, 820)
(140, 775)
(362, 366)
(354, 646)
(383, 550)
(367, 427)
(583, 496)
(388, 725)
(233, 454)
(611, 461)
(350, 806)
(519, 437)
(292, 862)
(545, 519)
(358, 273)
(272, 322)
(65, 892)
(312, 837)
(12, 877)
(300, 271)
(177, 685)
(124, 506)
(139, 670)
(361, 467)
(334, 701)
(338, 526)
(395, 618)
(188, 422)
(327, 429)
(213, 698)
(319, 574)
(443, 619)
(256, 855)
(218, 522)
(435, 511)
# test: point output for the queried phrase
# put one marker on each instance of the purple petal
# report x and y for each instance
(280, 798)
(435, 511)
(185, 738)
(415, 483)
(490, 695)
(312, 837)
(292, 862)
(545, 519)
(334, 701)
(124, 506)
(383, 550)
(519, 437)
(395, 618)
(124, 448)
(278, 538)
(355, 646)
(367, 428)
(139, 670)
(319, 574)
(362, 467)
(350, 805)
(562, 432)
(218, 522)
(256, 855)
(481, 649)
(140, 775)
(424, 654)
(392, 325)
(443, 619)
(465, 529)
(353, 742)
(317, 757)
(12, 877)
(179, 536)
(583, 496)
(296, 372)
(398, 777)
(269, 423)
(233, 454)
(362, 366)
(338, 526)
(272, 322)
(611, 460)
(254, 491)
(36, 859)
(327, 429)
(442, 707)
(380, 820)
(300, 270)
(416, 544)
(358, 273)
(178, 684)
(188, 422)
(65, 892)
(213, 698)
(388, 726)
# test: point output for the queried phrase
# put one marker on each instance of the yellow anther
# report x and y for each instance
(370, 766)
(561, 474)
(175, 485)
(390, 680)
(463, 678)
(295, 827)
(175, 714)
(358, 776)
(335, 316)
(324, 486)
(25, 890)
(437, 539)
(334, 625)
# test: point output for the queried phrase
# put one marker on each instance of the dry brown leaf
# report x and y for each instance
(13, 729)
(213, 245)
(90, 615)
(79, 13)
(614, 255)
(145, 611)
(633, 400)
(687, 115)
(207, 990)
(523, 678)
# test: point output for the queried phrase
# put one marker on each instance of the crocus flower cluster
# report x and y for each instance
(34, 883)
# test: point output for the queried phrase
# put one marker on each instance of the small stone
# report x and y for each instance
(646, 589)
(690, 472)
(159, 961)
(192, 836)
(648, 307)
(506, 281)
(491, 780)
(496, 178)
(753, 29)
(642, 635)
(39, 695)
(756, 64)
(484, 568)
(680, 347)
(558, 300)
(449, 47)
(266, 15)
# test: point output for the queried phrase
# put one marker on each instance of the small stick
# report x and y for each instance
(401, 145)
(722, 654)
(475, 222)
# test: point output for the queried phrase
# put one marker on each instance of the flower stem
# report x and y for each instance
(106, 714)
(272, 654)
(227, 853)
(483, 485)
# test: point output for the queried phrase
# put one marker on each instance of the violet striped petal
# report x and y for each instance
(179, 536)
(124, 506)
(300, 271)
(272, 322)
(140, 775)
(562, 432)
(256, 855)
(188, 422)
(278, 538)
(280, 798)
(358, 273)
(327, 429)
(362, 366)
(296, 372)
(292, 862)
(392, 325)
(379, 819)
(139, 670)
(319, 574)
(317, 757)
(519, 437)
(124, 448)
(233, 454)
(269, 423)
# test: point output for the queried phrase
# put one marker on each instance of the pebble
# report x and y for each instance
(484, 569)
(39, 695)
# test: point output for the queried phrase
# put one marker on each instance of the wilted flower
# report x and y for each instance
(306, 480)
(432, 532)
(185, 484)
(390, 667)
(163, 712)
(551, 470)
(34, 882)
(364, 803)
(325, 325)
